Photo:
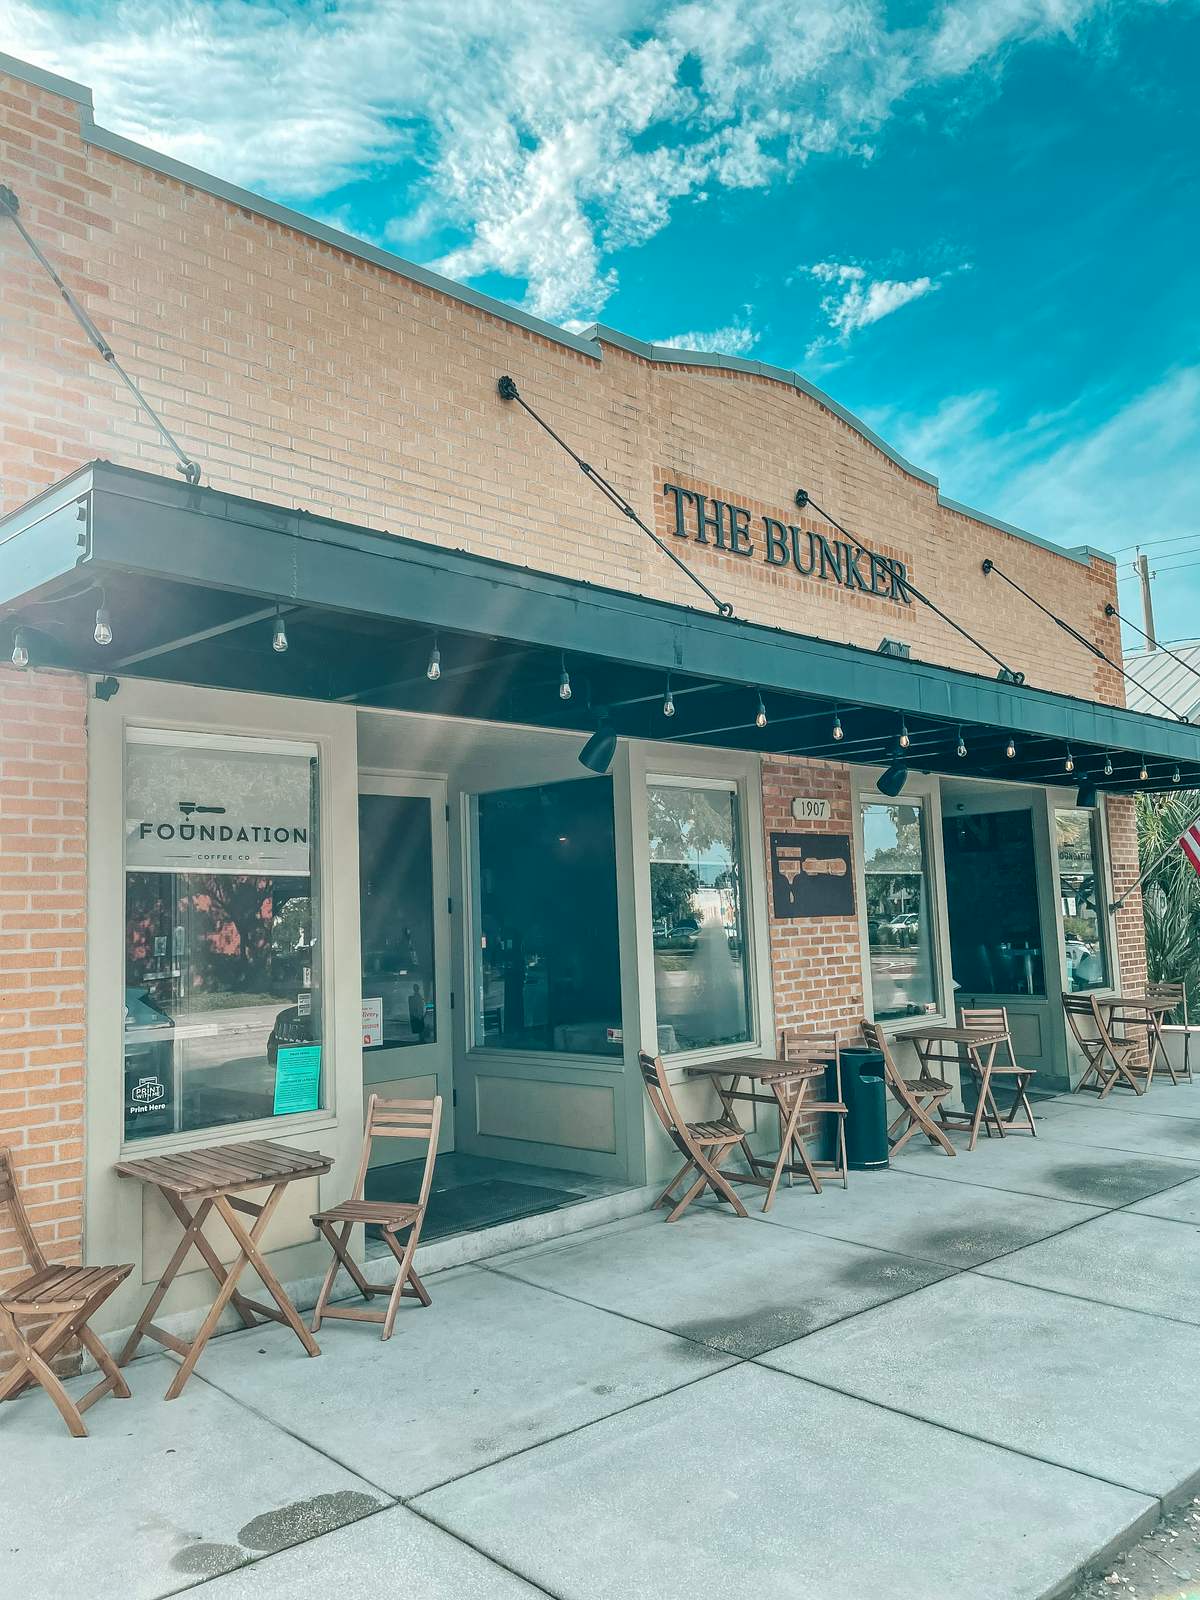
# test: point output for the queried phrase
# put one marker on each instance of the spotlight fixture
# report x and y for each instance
(102, 633)
(434, 670)
(20, 649)
(893, 780)
(597, 754)
(838, 731)
(1142, 773)
(1108, 766)
(961, 749)
(1069, 763)
(1087, 793)
(107, 687)
(279, 638)
(1010, 749)
(760, 716)
(564, 682)
(668, 700)
(904, 741)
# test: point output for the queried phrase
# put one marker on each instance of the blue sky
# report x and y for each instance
(976, 223)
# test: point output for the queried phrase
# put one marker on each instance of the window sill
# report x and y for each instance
(164, 1144)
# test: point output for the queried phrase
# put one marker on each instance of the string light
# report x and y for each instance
(1010, 749)
(760, 716)
(838, 732)
(20, 649)
(1142, 773)
(434, 670)
(962, 743)
(279, 638)
(564, 682)
(103, 629)
(1175, 776)
(1069, 763)
(668, 700)
(904, 741)
(1108, 766)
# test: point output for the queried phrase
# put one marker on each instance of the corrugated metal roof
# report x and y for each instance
(1166, 674)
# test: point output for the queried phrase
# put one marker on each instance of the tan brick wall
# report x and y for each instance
(1123, 852)
(304, 375)
(43, 793)
(816, 963)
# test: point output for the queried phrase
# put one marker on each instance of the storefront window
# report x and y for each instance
(549, 971)
(395, 864)
(899, 907)
(701, 961)
(222, 969)
(1085, 951)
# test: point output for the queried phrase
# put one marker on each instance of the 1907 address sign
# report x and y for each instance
(726, 526)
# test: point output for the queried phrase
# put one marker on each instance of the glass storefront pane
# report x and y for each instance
(222, 980)
(899, 911)
(549, 971)
(1081, 883)
(395, 865)
(992, 903)
(697, 905)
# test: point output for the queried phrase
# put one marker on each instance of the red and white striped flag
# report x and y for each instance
(1189, 842)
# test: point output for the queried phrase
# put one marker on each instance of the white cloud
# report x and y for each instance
(857, 300)
(735, 339)
(550, 133)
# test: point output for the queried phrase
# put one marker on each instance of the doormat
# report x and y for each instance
(486, 1204)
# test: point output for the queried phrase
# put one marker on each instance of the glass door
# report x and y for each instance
(1001, 915)
(404, 920)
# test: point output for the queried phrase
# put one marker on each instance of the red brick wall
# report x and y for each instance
(1123, 849)
(43, 795)
(816, 964)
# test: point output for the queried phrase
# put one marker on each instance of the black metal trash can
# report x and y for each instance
(865, 1099)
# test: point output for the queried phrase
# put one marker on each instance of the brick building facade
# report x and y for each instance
(305, 369)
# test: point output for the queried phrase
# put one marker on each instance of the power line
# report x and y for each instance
(10, 206)
(1147, 544)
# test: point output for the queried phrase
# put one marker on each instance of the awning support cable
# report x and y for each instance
(1111, 611)
(508, 390)
(803, 498)
(10, 207)
(989, 566)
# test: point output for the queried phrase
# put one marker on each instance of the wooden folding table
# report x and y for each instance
(196, 1182)
(1143, 1011)
(974, 1047)
(790, 1084)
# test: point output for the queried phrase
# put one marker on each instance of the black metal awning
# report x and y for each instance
(193, 578)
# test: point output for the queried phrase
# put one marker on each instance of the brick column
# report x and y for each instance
(43, 800)
(1131, 929)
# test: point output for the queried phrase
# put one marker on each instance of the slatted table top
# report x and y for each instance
(1138, 1002)
(224, 1168)
(755, 1067)
(940, 1033)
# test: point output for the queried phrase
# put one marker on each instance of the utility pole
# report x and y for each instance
(1143, 567)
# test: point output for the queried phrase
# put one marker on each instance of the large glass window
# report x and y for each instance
(899, 906)
(1081, 886)
(992, 903)
(222, 970)
(549, 970)
(395, 857)
(697, 903)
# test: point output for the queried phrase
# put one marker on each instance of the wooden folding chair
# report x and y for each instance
(63, 1299)
(1176, 993)
(704, 1145)
(386, 1119)
(1018, 1077)
(813, 1048)
(916, 1097)
(1109, 1060)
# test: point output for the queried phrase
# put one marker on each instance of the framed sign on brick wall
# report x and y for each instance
(810, 875)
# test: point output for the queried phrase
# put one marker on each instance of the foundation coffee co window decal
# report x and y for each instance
(810, 875)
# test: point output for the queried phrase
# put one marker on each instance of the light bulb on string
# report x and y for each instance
(1175, 776)
(102, 632)
(564, 682)
(760, 716)
(1069, 763)
(1010, 749)
(668, 701)
(904, 741)
(838, 731)
(961, 749)
(434, 670)
(20, 649)
(1142, 773)
(279, 638)
(1108, 766)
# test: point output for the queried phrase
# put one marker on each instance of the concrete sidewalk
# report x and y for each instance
(958, 1380)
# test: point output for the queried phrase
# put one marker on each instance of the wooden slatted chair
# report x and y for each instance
(1178, 1029)
(704, 1145)
(1017, 1077)
(917, 1098)
(63, 1300)
(386, 1119)
(1109, 1060)
(813, 1049)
